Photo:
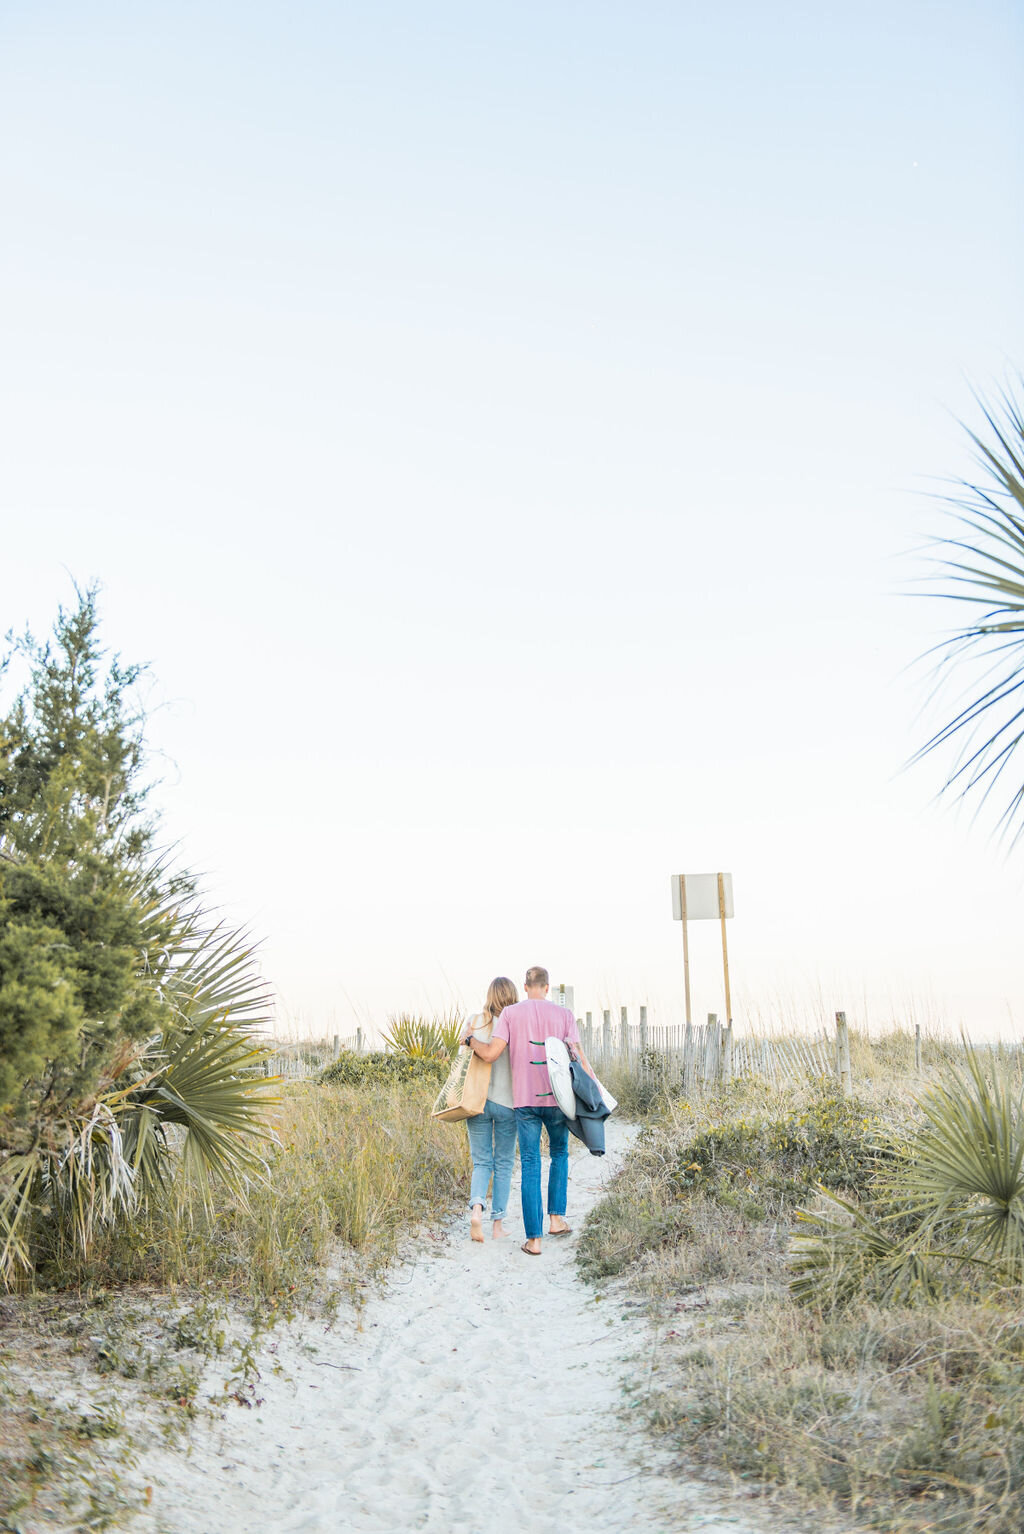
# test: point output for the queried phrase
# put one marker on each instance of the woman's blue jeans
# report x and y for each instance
(529, 1123)
(492, 1145)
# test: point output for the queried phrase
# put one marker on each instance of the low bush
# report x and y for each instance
(382, 1070)
(830, 1141)
(693, 1190)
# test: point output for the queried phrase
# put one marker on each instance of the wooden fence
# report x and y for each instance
(682, 1056)
(710, 1054)
(299, 1062)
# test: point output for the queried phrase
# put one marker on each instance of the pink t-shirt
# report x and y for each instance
(526, 1026)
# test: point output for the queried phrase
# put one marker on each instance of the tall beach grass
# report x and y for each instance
(353, 1168)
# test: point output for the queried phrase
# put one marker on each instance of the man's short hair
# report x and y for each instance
(537, 976)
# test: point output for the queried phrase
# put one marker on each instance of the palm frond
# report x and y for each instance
(965, 1175)
(19, 1178)
(206, 1070)
(984, 567)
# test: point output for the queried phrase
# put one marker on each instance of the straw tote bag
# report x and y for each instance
(464, 1094)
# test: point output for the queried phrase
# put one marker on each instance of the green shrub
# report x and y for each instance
(831, 1142)
(382, 1069)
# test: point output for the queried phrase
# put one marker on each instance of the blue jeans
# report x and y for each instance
(492, 1145)
(529, 1122)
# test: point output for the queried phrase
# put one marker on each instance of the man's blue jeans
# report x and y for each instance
(492, 1145)
(529, 1122)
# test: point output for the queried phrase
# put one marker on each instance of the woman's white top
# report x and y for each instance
(500, 1088)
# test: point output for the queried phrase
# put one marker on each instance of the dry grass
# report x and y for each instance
(907, 1419)
(357, 1167)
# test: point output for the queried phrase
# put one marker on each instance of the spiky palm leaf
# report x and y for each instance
(203, 1074)
(964, 1177)
(984, 567)
(421, 1038)
(838, 1252)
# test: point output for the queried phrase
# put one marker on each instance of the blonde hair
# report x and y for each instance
(501, 993)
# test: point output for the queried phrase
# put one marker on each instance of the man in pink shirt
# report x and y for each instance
(522, 1029)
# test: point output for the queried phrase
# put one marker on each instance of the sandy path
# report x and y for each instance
(481, 1395)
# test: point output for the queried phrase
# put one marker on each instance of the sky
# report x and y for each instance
(511, 436)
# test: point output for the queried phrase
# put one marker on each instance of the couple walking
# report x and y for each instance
(510, 1034)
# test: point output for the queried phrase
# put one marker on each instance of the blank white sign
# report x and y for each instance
(701, 896)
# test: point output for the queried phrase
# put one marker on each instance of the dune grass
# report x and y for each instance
(352, 1167)
(904, 1416)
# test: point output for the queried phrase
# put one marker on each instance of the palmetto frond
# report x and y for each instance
(204, 1073)
(839, 1251)
(983, 567)
(965, 1174)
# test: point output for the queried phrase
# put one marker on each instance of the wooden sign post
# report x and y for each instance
(703, 897)
(725, 950)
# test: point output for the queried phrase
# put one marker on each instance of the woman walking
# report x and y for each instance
(492, 1134)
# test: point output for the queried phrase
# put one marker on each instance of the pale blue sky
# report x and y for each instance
(504, 430)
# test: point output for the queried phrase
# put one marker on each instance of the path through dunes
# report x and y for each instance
(481, 1395)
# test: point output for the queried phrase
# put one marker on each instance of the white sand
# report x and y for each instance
(483, 1394)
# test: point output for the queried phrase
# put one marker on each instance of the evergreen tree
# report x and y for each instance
(124, 1009)
(78, 908)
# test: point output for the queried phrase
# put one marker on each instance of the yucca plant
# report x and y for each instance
(839, 1252)
(983, 567)
(422, 1038)
(951, 1196)
(964, 1173)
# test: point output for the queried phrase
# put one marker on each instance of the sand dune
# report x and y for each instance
(482, 1394)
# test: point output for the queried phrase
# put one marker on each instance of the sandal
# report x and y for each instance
(526, 1249)
(555, 1233)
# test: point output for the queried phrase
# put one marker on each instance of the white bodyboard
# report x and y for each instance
(561, 1076)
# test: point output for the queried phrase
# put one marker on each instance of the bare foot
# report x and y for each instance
(556, 1224)
(476, 1222)
(533, 1245)
(496, 1230)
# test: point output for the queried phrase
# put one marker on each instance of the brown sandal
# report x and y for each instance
(526, 1249)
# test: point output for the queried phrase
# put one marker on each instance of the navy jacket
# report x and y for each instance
(591, 1110)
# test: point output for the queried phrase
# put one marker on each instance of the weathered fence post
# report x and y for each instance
(712, 1051)
(843, 1055)
(334, 1046)
(689, 1062)
(624, 1034)
(917, 1047)
(359, 1041)
(606, 1035)
(588, 1033)
(643, 1029)
(727, 1054)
